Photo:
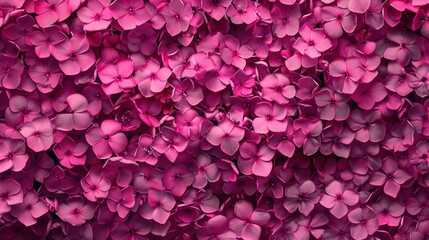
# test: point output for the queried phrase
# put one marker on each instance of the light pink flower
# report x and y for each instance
(226, 135)
(95, 16)
(38, 134)
(177, 16)
(10, 195)
(247, 222)
(13, 155)
(95, 186)
(131, 13)
(255, 159)
(313, 42)
(364, 222)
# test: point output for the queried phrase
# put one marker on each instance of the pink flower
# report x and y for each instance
(216, 8)
(70, 152)
(364, 222)
(131, 13)
(118, 76)
(336, 19)
(177, 16)
(74, 55)
(177, 178)
(10, 195)
(307, 135)
(234, 53)
(121, 201)
(285, 19)
(30, 209)
(186, 94)
(332, 105)
(242, 84)
(170, 143)
(269, 118)
(51, 11)
(134, 227)
(313, 42)
(12, 155)
(277, 87)
(218, 227)
(78, 117)
(95, 16)
(346, 74)
(301, 196)
(390, 177)
(400, 137)
(57, 181)
(11, 70)
(46, 74)
(283, 141)
(142, 38)
(205, 171)
(404, 49)
(369, 125)
(152, 78)
(247, 222)
(367, 94)
(337, 199)
(95, 186)
(388, 211)
(242, 11)
(255, 159)
(38, 134)
(312, 226)
(106, 139)
(21, 109)
(75, 211)
(226, 135)
(158, 206)
(45, 40)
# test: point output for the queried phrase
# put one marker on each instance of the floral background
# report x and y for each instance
(214, 119)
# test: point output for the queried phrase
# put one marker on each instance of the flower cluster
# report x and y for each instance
(214, 119)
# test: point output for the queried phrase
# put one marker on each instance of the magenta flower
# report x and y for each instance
(366, 95)
(390, 177)
(216, 227)
(38, 134)
(177, 178)
(71, 153)
(106, 139)
(388, 211)
(205, 171)
(255, 159)
(121, 201)
(11, 195)
(242, 11)
(269, 118)
(21, 109)
(285, 19)
(57, 181)
(74, 55)
(46, 74)
(234, 53)
(216, 8)
(152, 78)
(78, 117)
(302, 197)
(338, 19)
(247, 222)
(170, 143)
(186, 94)
(405, 47)
(50, 11)
(177, 16)
(307, 135)
(142, 38)
(158, 206)
(313, 42)
(11, 70)
(30, 209)
(364, 223)
(118, 76)
(95, 186)
(131, 13)
(346, 74)
(134, 227)
(368, 126)
(226, 135)
(337, 199)
(75, 211)
(45, 40)
(277, 87)
(332, 105)
(95, 16)
(12, 155)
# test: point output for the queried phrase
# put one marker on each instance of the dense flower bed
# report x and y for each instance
(214, 119)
